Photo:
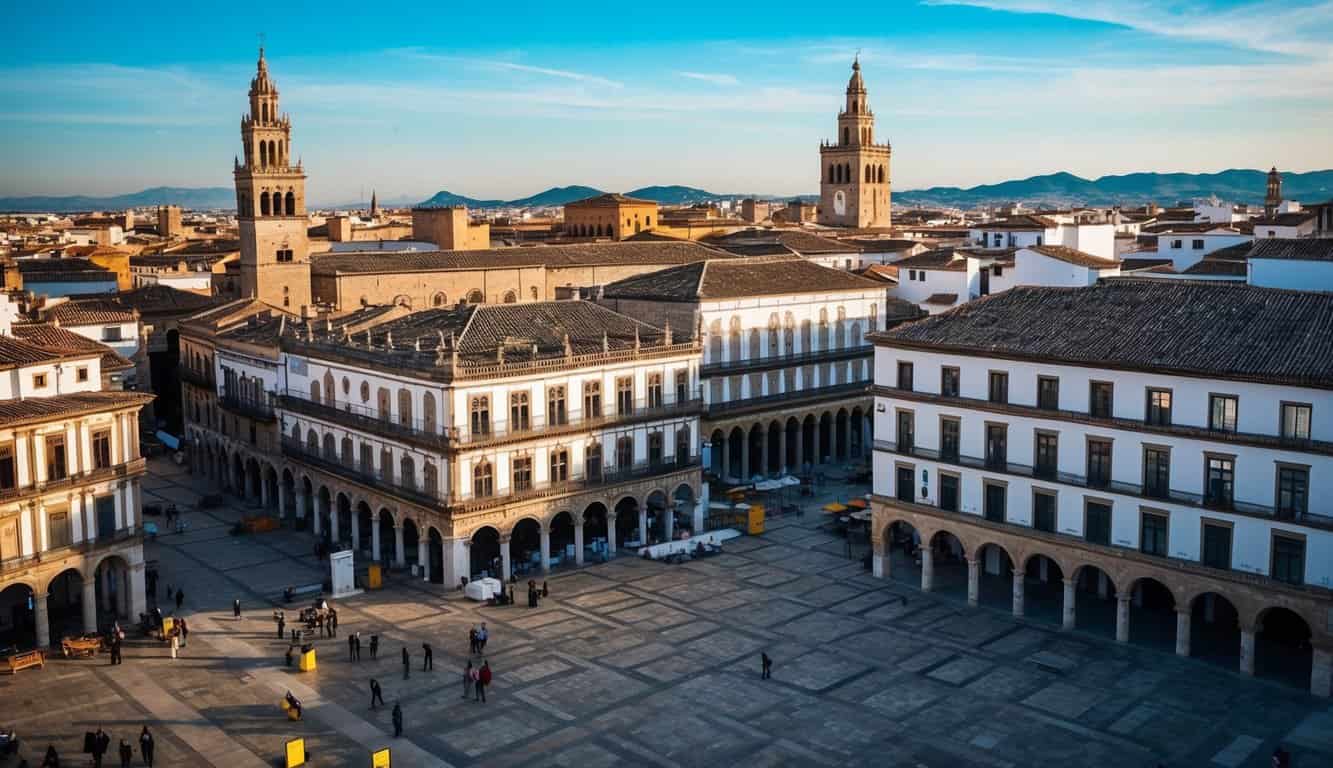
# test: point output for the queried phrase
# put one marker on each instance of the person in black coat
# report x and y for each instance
(397, 720)
(407, 663)
(146, 747)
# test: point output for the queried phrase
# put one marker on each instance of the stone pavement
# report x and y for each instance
(638, 663)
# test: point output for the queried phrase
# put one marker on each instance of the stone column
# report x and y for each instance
(643, 524)
(282, 501)
(1246, 652)
(800, 447)
(763, 451)
(423, 556)
(745, 456)
(927, 569)
(263, 493)
(399, 552)
(42, 620)
(669, 520)
(1070, 617)
(726, 457)
(333, 521)
(356, 531)
(546, 549)
(138, 591)
(611, 534)
(375, 537)
(1018, 592)
(1182, 633)
(973, 581)
(319, 519)
(1321, 673)
(89, 605)
(504, 559)
(846, 438)
(578, 541)
(879, 562)
(1122, 618)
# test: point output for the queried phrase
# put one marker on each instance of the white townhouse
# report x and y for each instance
(1185, 244)
(940, 280)
(1303, 265)
(1152, 459)
(1066, 229)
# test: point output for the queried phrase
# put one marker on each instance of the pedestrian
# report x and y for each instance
(351, 648)
(356, 646)
(375, 693)
(288, 656)
(175, 644)
(482, 635)
(474, 675)
(483, 680)
(100, 744)
(236, 609)
(170, 593)
(407, 663)
(467, 679)
(333, 622)
(428, 660)
(126, 753)
(180, 598)
(146, 747)
(397, 720)
(52, 760)
(185, 630)
(472, 640)
(282, 625)
(545, 592)
(765, 666)
(511, 594)
(374, 646)
(115, 650)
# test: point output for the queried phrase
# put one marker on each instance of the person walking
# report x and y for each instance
(180, 598)
(428, 659)
(482, 636)
(765, 667)
(333, 622)
(376, 695)
(474, 675)
(282, 625)
(52, 759)
(101, 742)
(467, 679)
(126, 753)
(115, 650)
(472, 640)
(483, 680)
(374, 646)
(356, 646)
(236, 609)
(185, 631)
(407, 663)
(351, 647)
(146, 747)
(397, 720)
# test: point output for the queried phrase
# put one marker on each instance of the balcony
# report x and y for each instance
(202, 379)
(764, 363)
(1170, 495)
(786, 398)
(120, 536)
(294, 449)
(576, 421)
(425, 434)
(253, 409)
(607, 477)
(76, 480)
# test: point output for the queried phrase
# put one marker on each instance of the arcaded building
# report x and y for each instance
(610, 215)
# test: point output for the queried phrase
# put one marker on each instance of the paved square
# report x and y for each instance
(640, 663)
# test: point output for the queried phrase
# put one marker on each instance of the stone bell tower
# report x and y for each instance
(854, 186)
(1273, 195)
(270, 203)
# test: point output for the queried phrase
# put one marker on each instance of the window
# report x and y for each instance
(654, 390)
(1293, 492)
(998, 270)
(483, 483)
(284, 255)
(993, 502)
(55, 458)
(556, 413)
(57, 526)
(39, 381)
(81, 374)
(655, 448)
(1176, 243)
(1043, 511)
(111, 333)
(1197, 244)
(1152, 534)
(1048, 393)
(1288, 559)
(997, 446)
(949, 438)
(949, 492)
(8, 469)
(999, 387)
(1222, 412)
(683, 444)
(905, 376)
(1099, 463)
(102, 449)
(1156, 472)
(518, 412)
(1296, 421)
(906, 477)
(1097, 522)
(624, 452)
(1159, 407)
(592, 399)
(522, 473)
(367, 465)
(1047, 460)
(1216, 544)
(559, 465)
(481, 415)
(1219, 481)
(949, 381)
(592, 462)
(682, 386)
(624, 395)
(1101, 398)
(906, 431)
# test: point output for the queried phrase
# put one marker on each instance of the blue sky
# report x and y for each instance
(503, 101)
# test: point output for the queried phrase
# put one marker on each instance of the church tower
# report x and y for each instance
(1273, 198)
(854, 186)
(270, 203)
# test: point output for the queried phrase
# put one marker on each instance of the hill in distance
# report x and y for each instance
(195, 198)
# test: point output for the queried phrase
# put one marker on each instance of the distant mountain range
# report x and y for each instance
(1056, 189)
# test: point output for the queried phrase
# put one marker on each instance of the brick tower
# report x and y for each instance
(853, 170)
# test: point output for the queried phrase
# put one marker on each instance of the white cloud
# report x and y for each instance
(715, 79)
(495, 63)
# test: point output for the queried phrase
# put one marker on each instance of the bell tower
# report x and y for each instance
(1273, 197)
(270, 203)
(854, 187)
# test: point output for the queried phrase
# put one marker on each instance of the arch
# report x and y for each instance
(561, 528)
(715, 452)
(682, 507)
(20, 629)
(263, 151)
(475, 296)
(312, 442)
(880, 177)
(846, 135)
(1282, 649)
(388, 546)
(411, 542)
(596, 528)
(868, 173)
(405, 407)
(734, 339)
(735, 442)
(439, 299)
(756, 344)
(655, 506)
(64, 600)
(407, 472)
(343, 509)
(510, 297)
(402, 300)
(277, 203)
(324, 508)
(483, 479)
(1214, 629)
(330, 396)
(627, 522)
(346, 451)
(832, 174)
(484, 554)
(715, 341)
(1095, 592)
(290, 207)
(364, 530)
(525, 545)
(263, 204)
(435, 555)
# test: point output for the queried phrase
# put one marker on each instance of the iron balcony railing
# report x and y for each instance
(74, 480)
(1171, 495)
(254, 409)
(765, 362)
(410, 491)
(606, 477)
(197, 378)
(800, 395)
(119, 536)
(421, 432)
(576, 420)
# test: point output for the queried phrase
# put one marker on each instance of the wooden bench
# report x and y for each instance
(80, 646)
(24, 660)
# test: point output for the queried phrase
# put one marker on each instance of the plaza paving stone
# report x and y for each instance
(639, 663)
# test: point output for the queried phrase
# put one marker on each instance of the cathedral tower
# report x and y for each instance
(854, 183)
(1273, 197)
(270, 203)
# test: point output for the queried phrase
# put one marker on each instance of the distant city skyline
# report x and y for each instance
(428, 98)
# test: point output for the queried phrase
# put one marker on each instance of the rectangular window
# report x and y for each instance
(557, 412)
(997, 446)
(624, 395)
(481, 415)
(592, 399)
(81, 375)
(519, 415)
(1296, 421)
(1159, 407)
(39, 381)
(654, 390)
(1156, 472)
(994, 502)
(1197, 244)
(55, 458)
(1293, 492)
(1176, 243)
(1219, 481)
(111, 333)
(102, 449)
(1216, 545)
(624, 452)
(905, 376)
(906, 431)
(1043, 511)
(1047, 455)
(1101, 399)
(1097, 523)
(999, 387)
(949, 438)
(1288, 559)
(57, 527)
(906, 478)
(949, 493)
(682, 386)
(559, 465)
(1152, 534)
(522, 473)
(8, 469)
(1099, 463)
(1222, 412)
(949, 377)
(655, 449)
(1048, 393)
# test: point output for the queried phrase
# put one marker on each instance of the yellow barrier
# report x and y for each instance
(295, 753)
(380, 759)
(756, 521)
(308, 661)
(374, 577)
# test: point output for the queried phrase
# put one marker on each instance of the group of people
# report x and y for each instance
(534, 593)
(476, 680)
(354, 646)
(98, 743)
(477, 637)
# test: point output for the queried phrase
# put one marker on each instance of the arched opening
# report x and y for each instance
(1282, 649)
(252, 480)
(525, 546)
(238, 475)
(484, 554)
(288, 506)
(825, 453)
(735, 448)
(510, 297)
(627, 522)
(1152, 614)
(809, 443)
(344, 511)
(793, 435)
(832, 175)
(902, 546)
(995, 577)
(1094, 600)
(263, 150)
(857, 436)
(439, 299)
(715, 443)
(365, 527)
(881, 174)
(277, 203)
(562, 539)
(595, 532)
(948, 560)
(846, 136)
(1215, 630)
(869, 178)
(435, 556)
(773, 457)
(756, 452)
(656, 504)
(682, 506)
(64, 602)
(19, 628)
(290, 207)
(841, 437)
(1044, 590)
(411, 543)
(325, 513)
(388, 544)
(474, 297)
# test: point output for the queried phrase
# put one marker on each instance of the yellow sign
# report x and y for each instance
(374, 577)
(380, 759)
(167, 624)
(295, 753)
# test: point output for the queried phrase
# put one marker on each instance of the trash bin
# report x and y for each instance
(756, 520)
(374, 576)
(308, 661)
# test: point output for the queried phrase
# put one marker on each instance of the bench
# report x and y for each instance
(80, 646)
(24, 660)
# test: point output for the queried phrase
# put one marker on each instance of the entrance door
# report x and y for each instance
(985, 281)
(905, 480)
(106, 517)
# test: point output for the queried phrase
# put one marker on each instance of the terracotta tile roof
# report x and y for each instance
(734, 278)
(552, 256)
(95, 311)
(156, 299)
(886, 272)
(1131, 264)
(1192, 227)
(946, 299)
(1189, 328)
(608, 200)
(1024, 222)
(1073, 256)
(1218, 267)
(62, 340)
(947, 259)
(793, 239)
(16, 353)
(1304, 249)
(1294, 219)
(64, 270)
(14, 413)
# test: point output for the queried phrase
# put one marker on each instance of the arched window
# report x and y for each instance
(805, 336)
(874, 317)
(291, 204)
(407, 472)
(881, 174)
(474, 297)
(428, 412)
(312, 442)
(263, 204)
(365, 391)
(430, 479)
(535, 294)
(647, 221)
(856, 334)
(405, 407)
(330, 447)
(734, 340)
(715, 342)
(624, 452)
(483, 483)
(328, 388)
(756, 344)
(683, 444)
(382, 401)
(846, 136)
(510, 297)
(263, 154)
(869, 176)
(277, 203)
(439, 299)
(263, 112)
(847, 172)
(592, 461)
(832, 175)
(314, 392)
(386, 465)
(346, 453)
(853, 106)
(273, 152)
